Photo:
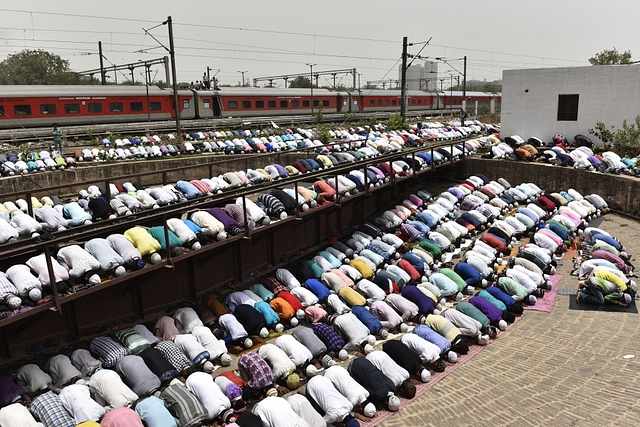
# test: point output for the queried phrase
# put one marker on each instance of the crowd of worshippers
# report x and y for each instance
(604, 270)
(393, 275)
(377, 138)
(99, 258)
(578, 154)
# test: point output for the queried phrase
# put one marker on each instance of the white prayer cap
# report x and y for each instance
(485, 283)
(327, 361)
(425, 375)
(263, 333)
(196, 246)
(208, 367)
(300, 314)
(343, 355)
(294, 321)
(279, 327)
(502, 325)
(532, 300)
(94, 279)
(155, 258)
(452, 356)
(404, 327)
(436, 311)
(247, 343)
(312, 371)
(394, 403)
(35, 294)
(369, 410)
(120, 271)
(371, 339)
(627, 298)
(549, 285)
(225, 359)
(283, 215)
(483, 339)
(14, 302)
(384, 334)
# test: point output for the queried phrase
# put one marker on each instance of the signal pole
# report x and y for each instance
(172, 53)
(403, 88)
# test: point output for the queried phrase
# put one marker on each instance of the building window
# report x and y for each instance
(271, 104)
(135, 106)
(95, 107)
(115, 107)
(48, 108)
(157, 106)
(568, 108)
(72, 108)
(284, 104)
(259, 104)
(22, 110)
(295, 104)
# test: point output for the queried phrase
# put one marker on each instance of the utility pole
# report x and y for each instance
(103, 79)
(242, 72)
(464, 85)
(403, 87)
(311, 81)
(172, 53)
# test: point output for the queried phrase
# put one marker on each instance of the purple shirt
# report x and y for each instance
(416, 296)
(223, 217)
(491, 311)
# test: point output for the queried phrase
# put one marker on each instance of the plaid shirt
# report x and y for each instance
(258, 369)
(273, 285)
(107, 351)
(379, 251)
(174, 355)
(7, 288)
(49, 410)
(329, 337)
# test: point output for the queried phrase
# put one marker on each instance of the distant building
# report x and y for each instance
(568, 101)
(421, 77)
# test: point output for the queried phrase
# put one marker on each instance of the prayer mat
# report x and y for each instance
(546, 303)
(596, 222)
(573, 305)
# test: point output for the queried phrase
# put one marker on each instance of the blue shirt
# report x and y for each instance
(154, 413)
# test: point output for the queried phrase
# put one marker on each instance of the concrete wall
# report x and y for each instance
(609, 93)
(620, 192)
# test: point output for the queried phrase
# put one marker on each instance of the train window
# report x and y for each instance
(372, 103)
(116, 107)
(306, 103)
(95, 107)
(316, 102)
(379, 101)
(155, 106)
(259, 104)
(325, 103)
(387, 102)
(206, 104)
(393, 102)
(419, 101)
(1, 110)
(295, 103)
(246, 104)
(413, 101)
(21, 110)
(48, 108)
(271, 104)
(284, 104)
(72, 108)
(232, 105)
(186, 104)
(568, 108)
(135, 106)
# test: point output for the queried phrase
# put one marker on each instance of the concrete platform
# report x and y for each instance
(564, 368)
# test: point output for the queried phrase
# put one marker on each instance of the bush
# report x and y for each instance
(324, 136)
(625, 141)
(396, 122)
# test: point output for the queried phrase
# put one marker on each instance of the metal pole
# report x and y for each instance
(354, 79)
(464, 85)
(102, 73)
(403, 89)
(172, 53)
(450, 91)
(146, 81)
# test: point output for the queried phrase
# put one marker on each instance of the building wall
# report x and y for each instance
(609, 93)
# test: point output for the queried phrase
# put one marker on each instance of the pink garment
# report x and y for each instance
(121, 417)
(343, 276)
(165, 329)
(314, 314)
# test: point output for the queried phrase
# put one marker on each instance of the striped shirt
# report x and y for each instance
(183, 405)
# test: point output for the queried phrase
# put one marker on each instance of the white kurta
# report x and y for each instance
(297, 352)
(303, 408)
(334, 404)
(276, 412)
(427, 351)
(388, 366)
(208, 393)
(346, 385)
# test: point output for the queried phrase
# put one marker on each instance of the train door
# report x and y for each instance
(217, 107)
(339, 101)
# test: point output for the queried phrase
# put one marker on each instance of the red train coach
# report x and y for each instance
(30, 106)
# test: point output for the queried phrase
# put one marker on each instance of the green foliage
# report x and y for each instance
(324, 136)
(24, 151)
(484, 109)
(300, 82)
(626, 140)
(611, 57)
(35, 67)
(349, 117)
(396, 123)
(317, 116)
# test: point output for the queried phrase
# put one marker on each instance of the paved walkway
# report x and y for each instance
(563, 368)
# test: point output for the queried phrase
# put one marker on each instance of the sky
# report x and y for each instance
(280, 37)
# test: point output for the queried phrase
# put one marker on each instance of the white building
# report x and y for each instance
(568, 101)
(421, 77)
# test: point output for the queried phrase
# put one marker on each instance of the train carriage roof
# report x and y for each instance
(267, 91)
(79, 90)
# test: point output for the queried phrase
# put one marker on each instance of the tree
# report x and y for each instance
(300, 82)
(33, 67)
(611, 57)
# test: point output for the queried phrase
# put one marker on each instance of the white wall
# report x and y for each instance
(608, 93)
